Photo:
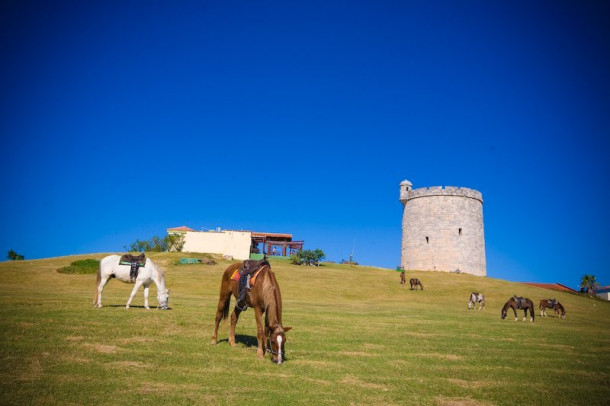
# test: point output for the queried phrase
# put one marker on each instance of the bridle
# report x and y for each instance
(278, 353)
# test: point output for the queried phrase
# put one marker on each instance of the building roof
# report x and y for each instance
(271, 235)
(553, 286)
(181, 228)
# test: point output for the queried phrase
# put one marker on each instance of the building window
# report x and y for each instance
(428, 240)
(460, 231)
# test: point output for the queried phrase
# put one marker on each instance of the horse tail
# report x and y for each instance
(98, 280)
(225, 291)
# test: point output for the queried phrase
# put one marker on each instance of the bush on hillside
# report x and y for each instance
(83, 266)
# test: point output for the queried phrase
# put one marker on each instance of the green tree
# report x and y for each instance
(308, 257)
(13, 256)
(171, 242)
(589, 283)
(175, 242)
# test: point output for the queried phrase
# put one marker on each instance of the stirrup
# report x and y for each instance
(241, 308)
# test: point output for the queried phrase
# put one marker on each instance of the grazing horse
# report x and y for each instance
(519, 303)
(414, 282)
(552, 304)
(476, 298)
(110, 268)
(403, 278)
(265, 298)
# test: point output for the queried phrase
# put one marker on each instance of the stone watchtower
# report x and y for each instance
(442, 229)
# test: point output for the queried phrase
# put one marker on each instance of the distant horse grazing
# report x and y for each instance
(264, 297)
(475, 298)
(403, 278)
(414, 282)
(552, 304)
(110, 267)
(519, 303)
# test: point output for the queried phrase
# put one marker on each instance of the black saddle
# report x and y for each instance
(135, 262)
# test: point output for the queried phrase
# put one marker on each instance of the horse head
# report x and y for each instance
(504, 311)
(276, 343)
(163, 298)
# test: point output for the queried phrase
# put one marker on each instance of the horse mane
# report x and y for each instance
(271, 297)
(160, 273)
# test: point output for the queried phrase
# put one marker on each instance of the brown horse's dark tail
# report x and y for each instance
(225, 291)
(225, 309)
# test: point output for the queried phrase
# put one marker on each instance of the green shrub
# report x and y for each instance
(83, 266)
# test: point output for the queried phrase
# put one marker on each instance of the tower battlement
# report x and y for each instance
(406, 194)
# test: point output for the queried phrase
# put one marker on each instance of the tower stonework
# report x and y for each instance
(442, 229)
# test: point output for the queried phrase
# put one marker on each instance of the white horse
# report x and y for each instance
(110, 268)
(474, 298)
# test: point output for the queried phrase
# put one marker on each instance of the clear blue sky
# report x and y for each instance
(120, 119)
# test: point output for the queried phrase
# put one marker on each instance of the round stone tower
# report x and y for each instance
(442, 229)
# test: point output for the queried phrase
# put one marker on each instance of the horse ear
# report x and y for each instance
(287, 329)
(168, 291)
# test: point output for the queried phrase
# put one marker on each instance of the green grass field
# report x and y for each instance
(358, 337)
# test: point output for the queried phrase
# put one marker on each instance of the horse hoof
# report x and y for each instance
(214, 342)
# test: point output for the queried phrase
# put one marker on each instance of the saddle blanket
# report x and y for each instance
(236, 276)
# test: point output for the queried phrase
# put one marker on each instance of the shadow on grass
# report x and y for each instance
(248, 341)
(135, 307)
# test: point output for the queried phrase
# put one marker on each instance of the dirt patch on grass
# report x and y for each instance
(355, 354)
(104, 349)
(314, 363)
(136, 339)
(33, 370)
(443, 401)
(75, 338)
(448, 357)
(468, 384)
(354, 381)
(127, 364)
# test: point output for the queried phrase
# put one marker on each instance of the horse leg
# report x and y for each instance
(234, 318)
(100, 288)
(260, 336)
(515, 311)
(221, 312)
(133, 292)
(146, 289)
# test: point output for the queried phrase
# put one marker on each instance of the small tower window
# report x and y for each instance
(428, 240)
(459, 231)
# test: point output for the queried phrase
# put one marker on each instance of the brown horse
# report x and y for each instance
(552, 304)
(414, 282)
(265, 298)
(403, 278)
(522, 303)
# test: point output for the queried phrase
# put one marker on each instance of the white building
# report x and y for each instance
(236, 244)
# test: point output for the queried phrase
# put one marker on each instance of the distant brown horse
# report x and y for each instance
(265, 298)
(403, 278)
(522, 303)
(552, 304)
(414, 282)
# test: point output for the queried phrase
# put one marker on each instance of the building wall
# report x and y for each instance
(603, 295)
(442, 230)
(234, 243)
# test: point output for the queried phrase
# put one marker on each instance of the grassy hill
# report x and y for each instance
(358, 337)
